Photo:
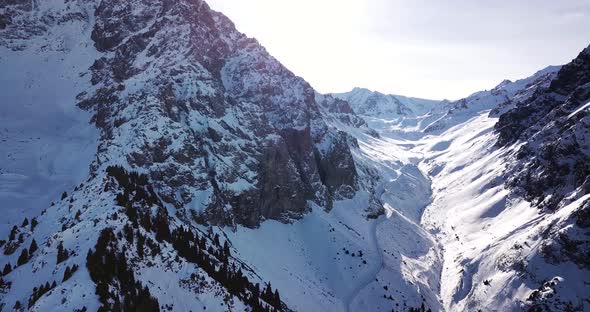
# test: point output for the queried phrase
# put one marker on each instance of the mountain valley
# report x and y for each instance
(155, 158)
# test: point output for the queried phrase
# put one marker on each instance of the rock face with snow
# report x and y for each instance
(399, 115)
(413, 117)
(550, 133)
(218, 124)
(551, 129)
(222, 131)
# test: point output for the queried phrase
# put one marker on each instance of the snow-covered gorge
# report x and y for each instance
(480, 242)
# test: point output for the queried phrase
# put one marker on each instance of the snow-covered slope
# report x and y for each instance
(411, 118)
(373, 103)
(394, 115)
(492, 240)
(499, 99)
(47, 145)
(508, 169)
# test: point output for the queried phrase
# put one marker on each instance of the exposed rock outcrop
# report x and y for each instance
(226, 133)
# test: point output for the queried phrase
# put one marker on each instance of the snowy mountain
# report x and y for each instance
(373, 103)
(508, 173)
(401, 116)
(222, 131)
(510, 199)
(155, 158)
(405, 117)
(499, 99)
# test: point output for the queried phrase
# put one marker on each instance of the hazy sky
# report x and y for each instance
(424, 48)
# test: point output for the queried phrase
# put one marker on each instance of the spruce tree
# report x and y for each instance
(7, 269)
(268, 295)
(277, 299)
(12, 235)
(140, 245)
(23, 258)
(67, 274)
(62, 253)
(33, 247)
(162, 226)
(216, 240)
(226, 251)
(255, 290)
(128, 233)
(34, 223)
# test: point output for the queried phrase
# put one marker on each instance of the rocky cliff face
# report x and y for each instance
(226, 133)
(198, 125)
(235, 134)
(551, 129)
(551, 160)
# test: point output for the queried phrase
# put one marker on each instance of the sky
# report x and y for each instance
(423, 48)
